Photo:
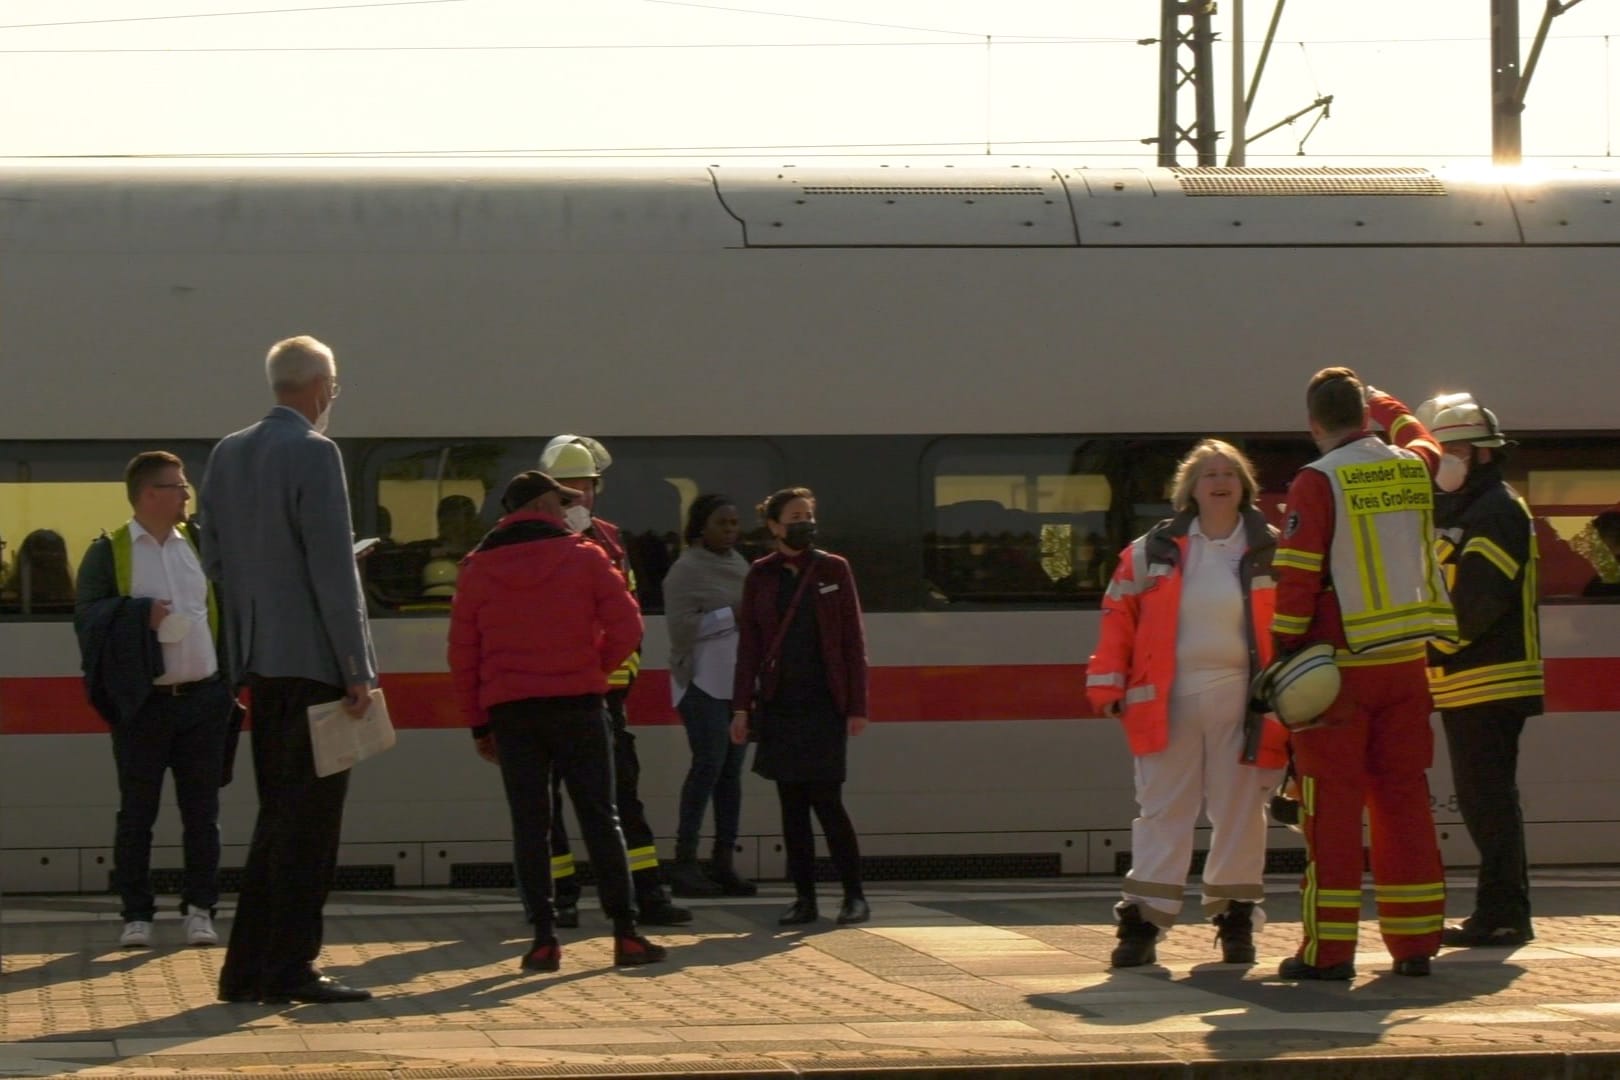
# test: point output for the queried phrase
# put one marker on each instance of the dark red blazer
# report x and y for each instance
(831, 592)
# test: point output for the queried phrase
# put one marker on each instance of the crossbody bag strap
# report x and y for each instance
(787, 619)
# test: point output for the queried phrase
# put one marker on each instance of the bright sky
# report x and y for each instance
(1054, 80)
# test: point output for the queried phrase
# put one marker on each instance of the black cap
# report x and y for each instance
(528, 486)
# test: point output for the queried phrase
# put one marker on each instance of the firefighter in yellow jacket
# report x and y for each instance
(1490, 681)
(1356, 568)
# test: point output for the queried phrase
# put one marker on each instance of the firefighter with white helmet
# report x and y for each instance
(579, 461)
(1491, 680)
(1355, 569)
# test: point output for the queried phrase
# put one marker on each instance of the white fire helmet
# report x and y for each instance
(1299, 688)
(1459, 418)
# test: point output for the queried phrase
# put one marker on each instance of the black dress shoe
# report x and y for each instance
(1412, 965)
(1295, 968)
(855, 910)
(1473, 935)
(321, 990)
(803, 911)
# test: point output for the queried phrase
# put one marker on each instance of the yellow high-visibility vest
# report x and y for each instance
(1382, 560)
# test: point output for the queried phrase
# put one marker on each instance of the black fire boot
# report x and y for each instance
(1138, 939)
(1234, 932)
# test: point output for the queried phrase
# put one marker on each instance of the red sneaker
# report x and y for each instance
(633, 950)
(543, 956)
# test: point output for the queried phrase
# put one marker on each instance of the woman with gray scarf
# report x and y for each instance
(701, 594)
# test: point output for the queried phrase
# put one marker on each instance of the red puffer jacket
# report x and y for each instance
(538, 612)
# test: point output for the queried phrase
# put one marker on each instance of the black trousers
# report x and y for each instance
(569, 738)
(827, 801)
(276, 934)
(1483, 741)
(638, 834)
(185, 735)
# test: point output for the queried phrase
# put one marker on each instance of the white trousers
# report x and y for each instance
(1199, 769)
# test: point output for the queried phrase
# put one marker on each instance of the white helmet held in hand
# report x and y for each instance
(1298, 688)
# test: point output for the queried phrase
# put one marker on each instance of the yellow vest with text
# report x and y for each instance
(1382, 561)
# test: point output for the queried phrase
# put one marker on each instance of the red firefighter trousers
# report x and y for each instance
(1373, 757)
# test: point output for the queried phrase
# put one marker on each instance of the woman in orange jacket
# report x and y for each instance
(1186, 626)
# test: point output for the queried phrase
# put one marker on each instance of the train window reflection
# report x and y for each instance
(1037, 520)
(1577, 529)
(432, 503)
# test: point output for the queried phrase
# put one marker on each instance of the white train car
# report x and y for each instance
(985, 372)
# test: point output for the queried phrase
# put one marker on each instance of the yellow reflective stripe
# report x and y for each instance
(562, 865)
(643, 858)
(1512, 669)
(1299, 560)
(1417, 894)
(1448, 648)
(1400, 424)
(1387, 891)
(627, 671)
(1505, 691)
(1369, 557)
(1336, 931)
(1290, 624)
(1403, 653)
(1338, 898)
(1494, 554)
(1411, 924)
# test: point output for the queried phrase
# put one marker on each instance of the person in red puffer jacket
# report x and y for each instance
(540, 618)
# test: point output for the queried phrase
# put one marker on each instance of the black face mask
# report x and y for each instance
(800, 535)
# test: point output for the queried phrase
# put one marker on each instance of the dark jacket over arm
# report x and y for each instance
(118, 650)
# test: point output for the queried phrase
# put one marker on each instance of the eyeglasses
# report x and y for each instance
(336, 389)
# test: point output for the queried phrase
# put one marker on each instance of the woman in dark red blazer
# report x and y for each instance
(806, 674)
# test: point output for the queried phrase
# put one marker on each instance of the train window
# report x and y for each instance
(1573, 488)
(1038, 520)
(55, 498)
(430, 503)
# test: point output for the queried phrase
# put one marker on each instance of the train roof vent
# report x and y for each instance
(1309, 181)
(915, 189)
(907, 206)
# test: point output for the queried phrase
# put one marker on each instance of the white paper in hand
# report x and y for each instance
(340, 741)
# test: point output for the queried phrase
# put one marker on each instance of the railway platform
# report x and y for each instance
(963, 979)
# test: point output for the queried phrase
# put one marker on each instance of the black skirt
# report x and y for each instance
(801, 744)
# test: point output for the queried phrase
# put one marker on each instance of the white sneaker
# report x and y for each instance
(200, 928)
(137, 934)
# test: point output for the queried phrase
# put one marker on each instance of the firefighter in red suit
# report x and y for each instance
(1356, 567)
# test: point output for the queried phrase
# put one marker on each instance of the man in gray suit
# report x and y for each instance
(278, 540)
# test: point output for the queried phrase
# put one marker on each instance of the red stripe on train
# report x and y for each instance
(57, 706)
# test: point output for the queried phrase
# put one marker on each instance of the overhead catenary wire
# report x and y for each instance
(228, 14)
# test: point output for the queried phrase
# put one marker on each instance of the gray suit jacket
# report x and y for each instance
(277, 538)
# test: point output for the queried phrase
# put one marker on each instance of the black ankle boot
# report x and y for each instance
(723, 871)
(687, 879)
(1138, 939)
(803, 911)
(657, 910)
(1234, 932)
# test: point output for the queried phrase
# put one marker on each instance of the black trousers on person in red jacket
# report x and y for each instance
(570, 736)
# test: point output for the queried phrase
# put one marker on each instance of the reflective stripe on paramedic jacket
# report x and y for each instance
(1135, 662)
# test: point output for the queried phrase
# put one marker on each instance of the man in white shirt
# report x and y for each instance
(147, 622)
